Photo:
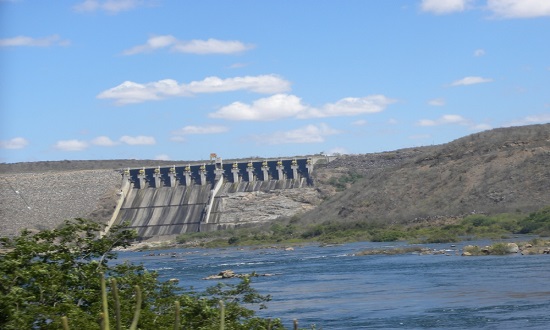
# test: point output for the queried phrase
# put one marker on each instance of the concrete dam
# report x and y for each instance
(168, 201)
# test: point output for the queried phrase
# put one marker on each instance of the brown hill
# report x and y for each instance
(496, 171)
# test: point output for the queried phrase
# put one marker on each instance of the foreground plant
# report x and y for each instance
(53, 279)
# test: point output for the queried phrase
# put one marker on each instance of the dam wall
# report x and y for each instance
(168, 201)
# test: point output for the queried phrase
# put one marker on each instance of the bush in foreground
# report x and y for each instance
(57, 273)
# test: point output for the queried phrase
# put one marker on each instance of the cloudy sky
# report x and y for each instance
(178, 80)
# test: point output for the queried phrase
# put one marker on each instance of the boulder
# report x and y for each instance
(227, 274)
(512, 248)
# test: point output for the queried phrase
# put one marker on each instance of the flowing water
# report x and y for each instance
(331, 288)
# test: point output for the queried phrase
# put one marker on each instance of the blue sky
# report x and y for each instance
(178, 80)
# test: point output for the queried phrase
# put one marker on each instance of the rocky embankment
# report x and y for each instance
(42, 195)
(537, 246)
(260, 207)
(523, 248)
(44, 200)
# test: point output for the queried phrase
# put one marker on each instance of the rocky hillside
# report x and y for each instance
(501, 170)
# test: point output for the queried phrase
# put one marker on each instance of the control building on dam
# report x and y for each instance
(167, 201)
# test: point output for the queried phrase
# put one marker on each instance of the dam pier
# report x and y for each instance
(171, 200)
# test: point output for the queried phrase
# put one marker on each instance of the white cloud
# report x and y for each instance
(542, 118)
(290, 106)
(360, 122)
(470, 81)
(131, 92)
(307, 134)
(138, 140)
(71, 145)
(271, 108)
(162, 157)
(103, 141)
(53, 40)
(451, 120)
(479, 52)
(437, 102)
(352, 106)
(238, 65)
(519, 8)
(440, 7)
(15, 143)
(210, 46)
(178, 139)
(263, 84)
(499, 8)
(152, 44)
(110, 6)
(187, 130)
(443, 120)
(480, 127)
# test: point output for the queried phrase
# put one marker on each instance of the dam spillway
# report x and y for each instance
(168, 201)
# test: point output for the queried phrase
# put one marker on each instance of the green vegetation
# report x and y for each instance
(536, 223)
(344, 181)
(499, 248)
(54, 279)
(290, 232)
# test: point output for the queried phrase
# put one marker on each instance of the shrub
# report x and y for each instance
(386, 236)
(536, 222)
(472, 249)
(233, 240)
(56, 273)
(499, 249)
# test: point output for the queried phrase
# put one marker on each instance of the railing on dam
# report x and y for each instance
(202, 174)
(167, 201)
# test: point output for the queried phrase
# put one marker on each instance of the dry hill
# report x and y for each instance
(501, 170)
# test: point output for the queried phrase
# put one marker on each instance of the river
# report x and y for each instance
(331, 288)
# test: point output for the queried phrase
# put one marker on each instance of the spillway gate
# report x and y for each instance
(168, 201)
